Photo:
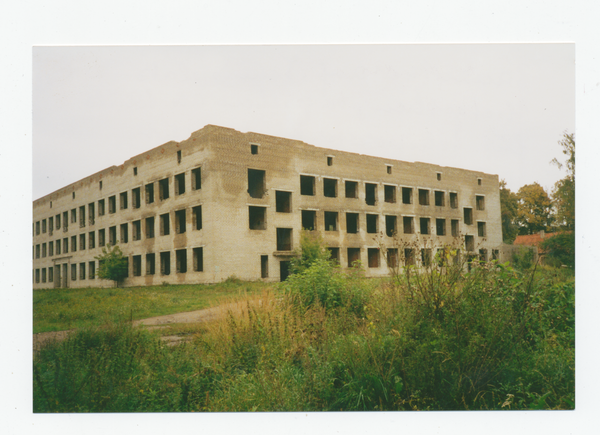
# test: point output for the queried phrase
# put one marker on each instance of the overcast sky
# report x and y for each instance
(496, 108)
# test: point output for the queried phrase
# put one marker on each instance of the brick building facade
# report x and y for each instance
(224, 203)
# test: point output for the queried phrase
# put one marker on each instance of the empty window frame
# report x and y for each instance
(165, 263)
(50, 249)
(370, 193)
(181, 260)
(423, 196)
(439, 176)
(391, 257)
(43, 250)
(454, 227)
(149, 190)
(100, 185)
(73, 272)
(196, 179)
(101, 207)
(37, 276)
(165, 227)
(198, 259)
(136, 198)
(309, 220)
(66, 245)
(197, 217)
(253, 148)
(481, 229)
(44, 226)
(440, 227)
(82, 241)
(136, 262)
(91, 213)
(180, 184)
(256, 183)
(453, 200)
(58, 221)
(373, 257)
(388, 169)
(352, 223)
(257, 217)
(163, 189)
(112, 204)
(440, 198)
(82, 216)
(92, 270)
(329, 187)
(149, 227)
(424, 226)
(407, 193)
(81, 270)
(353, 256)
(92, 240)
(180, 221)
(426, 257)
(178, 156)
(44, 274)
(480, 202)
(334, 255)
(37, 228)
(284, 239)
(468, 215)
(331, 221)
(389, 194)
(58, 247)
(37, 251)
(390, 226)
(136, 230)
(469, 243)
(65, 218)
(408, 222)
(479, 181)
(483, 255)
(372, 223)
(112, 236)
(351, 188)
(264, 266)
(73, 243)
(101, 237)
(73, 217)
(135, 170)
(123, 201)
(150, 264)
(124, 233)
(307, 185)
(50, 225)
(329, 160)
(495, 254)
(283, 201)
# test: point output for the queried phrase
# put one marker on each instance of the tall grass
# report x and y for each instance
(492, 338)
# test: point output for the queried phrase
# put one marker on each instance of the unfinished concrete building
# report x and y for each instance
(224, 203)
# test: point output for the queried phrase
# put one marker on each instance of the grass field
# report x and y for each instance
(62, 309)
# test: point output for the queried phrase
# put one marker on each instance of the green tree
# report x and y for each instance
(560, 250)
(312, 248)
(563, 194)
(509, 204)
(113, 264)
(534, 212)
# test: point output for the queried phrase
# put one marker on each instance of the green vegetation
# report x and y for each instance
(560, 250)
(113, 264)
(61, 309)
(491, 338)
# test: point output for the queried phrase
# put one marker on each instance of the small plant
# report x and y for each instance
(523, 258)
(113, 264)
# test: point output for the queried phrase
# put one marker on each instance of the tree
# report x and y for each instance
(560, 249)
(509, 204)
(534, 210)
(113, 264)
(563, 194)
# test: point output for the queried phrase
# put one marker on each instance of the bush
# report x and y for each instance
(560, 250)
(523, 258)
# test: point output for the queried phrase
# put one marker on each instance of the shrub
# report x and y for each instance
(113, 264)
(523, 258)
(560, 250)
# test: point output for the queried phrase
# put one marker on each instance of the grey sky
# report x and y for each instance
(497, 108)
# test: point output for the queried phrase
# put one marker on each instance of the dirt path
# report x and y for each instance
(205, 315)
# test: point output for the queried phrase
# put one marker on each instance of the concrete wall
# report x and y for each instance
(229, 246)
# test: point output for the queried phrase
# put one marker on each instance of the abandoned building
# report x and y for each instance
(225, 203)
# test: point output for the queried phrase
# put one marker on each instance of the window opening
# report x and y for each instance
(329, 187)
(123, 200)
(198, 260)
(82, 242)
(165, 263)
(180, 221)
(334, 255)
(390, 226)
(81, 270)
(392, 258)
(136, 262)
(408, 224)
(136, 230)
(92, 240)
(197, 217)
(439, 176)
(43, 250)
(66, 245)
(372, 223)
(309, 220)
(50, 249)
(150, 227)
(112, 236)
(73, 272)
(352, 223)
(124, 233)
(100, 185)
(479, 181)
(37, 251)
(73, 243)
(50, 225)
(390, 194)
(112, 204)
(264, 266)
(256, 183)
(181, 260)
(149, 193)
(164, 224)
(469, 243)
(483, 255)
(453, 200)
(423, 197)
(82, 216)
(37, 228)
(307, 185)
(101, 209)
(92, 213)
(284, 270)
(426, 257)
(353, 257)
(440, 227)
(283, 202)
(284, 239)
(253, 149)
(73, 217)
(373, 254)
(329, 161)
(136, 197)
(73, 195)
(351, 189)
(44, 274)
(407, 195)
(44, 226)
(150, 264)
(178, 156)
(454, 227)
(440, 200)
(331, 220)
(468, 216)
(163, 189)
(480, 202)
(180, 184)
(196, 179)
(370, 193)
(135, 170)
(101, 238)
(58, 247)
(495, 254)
(257, 218)
(424, 225)
(481, 229)
(389, 169)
